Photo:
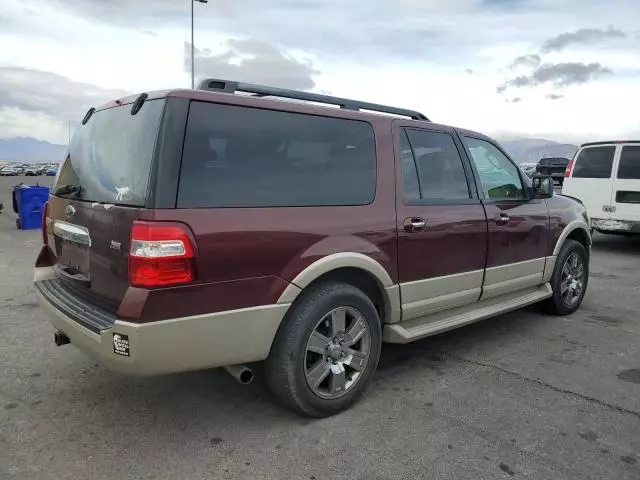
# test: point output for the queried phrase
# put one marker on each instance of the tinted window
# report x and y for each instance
(110, 157)
(629, 163)
(410, 184)
(246, 157)
(499, 176)
(594, 162)
(440, 173)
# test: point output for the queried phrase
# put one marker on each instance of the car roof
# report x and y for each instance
(294, 105)
(609, 142)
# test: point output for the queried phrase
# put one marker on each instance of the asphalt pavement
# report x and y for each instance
(523, 395)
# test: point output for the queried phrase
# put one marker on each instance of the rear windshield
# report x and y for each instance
(109, 158)
(594, 162)
(629, 163)
(246, 157)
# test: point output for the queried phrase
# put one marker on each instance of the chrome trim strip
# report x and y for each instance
(72, 233)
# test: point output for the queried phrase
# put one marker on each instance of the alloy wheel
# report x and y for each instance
(337, 352)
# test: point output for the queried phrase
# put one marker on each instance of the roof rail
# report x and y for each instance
(608, 142)
(227, 86)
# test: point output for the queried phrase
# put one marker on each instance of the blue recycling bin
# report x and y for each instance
(28, 202)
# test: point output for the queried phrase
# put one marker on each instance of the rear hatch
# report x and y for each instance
(101, 188)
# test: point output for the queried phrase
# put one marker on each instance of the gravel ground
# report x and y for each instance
(523, 395)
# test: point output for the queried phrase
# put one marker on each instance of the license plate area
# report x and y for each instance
(73, 259)
(72, 247)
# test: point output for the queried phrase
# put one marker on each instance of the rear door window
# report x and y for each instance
(247, 157)
(431, 167)
(629, 163)
(110, 157)
(594, 162)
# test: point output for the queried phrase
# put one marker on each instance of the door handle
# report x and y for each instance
(414, 224)
(502, 218)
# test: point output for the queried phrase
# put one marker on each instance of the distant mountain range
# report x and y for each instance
(526, 150)
(30, 150)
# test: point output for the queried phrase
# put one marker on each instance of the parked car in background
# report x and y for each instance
(553, 167)
(528, 168)
(291, 233)
(51, 172)
(31, 172)
(605, 176)
(9, 172)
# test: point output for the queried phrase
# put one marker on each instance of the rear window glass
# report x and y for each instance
(594, 162)
(629, 163)
(110, 157)
(246, 157)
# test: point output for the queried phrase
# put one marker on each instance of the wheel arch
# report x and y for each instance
(356, 269)
(576, 230)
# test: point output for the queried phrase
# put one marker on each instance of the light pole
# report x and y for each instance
(193, 50)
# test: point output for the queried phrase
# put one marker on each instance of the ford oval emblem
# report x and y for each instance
(69, 211)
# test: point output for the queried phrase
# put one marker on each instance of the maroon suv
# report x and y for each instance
(222, 226)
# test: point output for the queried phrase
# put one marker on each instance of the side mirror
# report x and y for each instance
(542, 187)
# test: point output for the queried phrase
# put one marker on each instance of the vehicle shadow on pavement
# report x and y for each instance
(615, 243)
(187, 399)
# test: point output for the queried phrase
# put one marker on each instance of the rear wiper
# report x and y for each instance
(67, 189)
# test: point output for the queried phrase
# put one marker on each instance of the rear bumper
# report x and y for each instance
(615, 226)
(167, 346)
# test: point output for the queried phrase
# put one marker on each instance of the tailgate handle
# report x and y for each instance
(72, 233)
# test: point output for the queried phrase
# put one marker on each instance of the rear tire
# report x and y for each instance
(569, 280)
(314, 366)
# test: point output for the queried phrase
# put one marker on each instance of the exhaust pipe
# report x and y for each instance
(60, 338)
(241, 373)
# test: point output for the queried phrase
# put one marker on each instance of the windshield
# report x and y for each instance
(109, 158)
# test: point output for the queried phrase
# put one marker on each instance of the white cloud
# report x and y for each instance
(413, 55)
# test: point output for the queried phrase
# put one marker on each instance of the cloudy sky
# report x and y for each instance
(564, 70)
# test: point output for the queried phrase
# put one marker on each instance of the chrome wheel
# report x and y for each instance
(572, 281)
(337, 352)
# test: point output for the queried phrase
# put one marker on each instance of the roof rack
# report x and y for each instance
(227, 86)
(608, 142)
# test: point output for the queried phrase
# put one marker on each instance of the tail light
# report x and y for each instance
(45, 215)
(160, 254)
(567, 171)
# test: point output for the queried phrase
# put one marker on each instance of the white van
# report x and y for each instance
(605, 176)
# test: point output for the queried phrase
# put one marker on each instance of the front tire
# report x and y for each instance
(326, 350)
(569, 280)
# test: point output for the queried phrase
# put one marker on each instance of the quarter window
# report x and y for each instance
(246, 157)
